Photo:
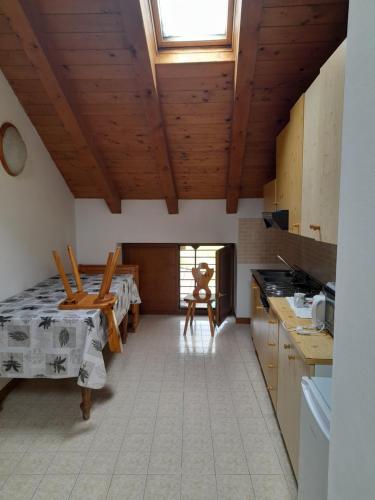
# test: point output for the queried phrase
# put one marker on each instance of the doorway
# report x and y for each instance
(165, 275)
(191, 256)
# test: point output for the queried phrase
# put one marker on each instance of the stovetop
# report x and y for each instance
(278, 283)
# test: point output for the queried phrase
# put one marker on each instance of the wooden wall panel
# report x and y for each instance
(94, 52)
(197, 101)
(153, 260)
(296, 37)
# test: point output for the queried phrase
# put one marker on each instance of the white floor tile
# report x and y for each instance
(91, 487)
(234, 487)
(127, 488)
(179, 416)
(55, 487)
(163, 487)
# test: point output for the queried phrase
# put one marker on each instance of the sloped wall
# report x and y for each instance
(36, 208)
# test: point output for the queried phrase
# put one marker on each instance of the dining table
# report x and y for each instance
(39, 340)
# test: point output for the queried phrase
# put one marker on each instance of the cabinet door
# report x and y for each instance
(269, 195)
(311, 174)
(290, 372)
(270, 357)
(332, 77)
(322, 150)
(256, 314)
(283, 395)
(289, 154)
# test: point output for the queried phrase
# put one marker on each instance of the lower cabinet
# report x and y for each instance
(283, 369)
(264, 331)
(291, 369)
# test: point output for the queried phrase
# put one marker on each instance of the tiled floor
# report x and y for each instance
(179, 418)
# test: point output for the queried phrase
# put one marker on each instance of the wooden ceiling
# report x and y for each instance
(122, 122)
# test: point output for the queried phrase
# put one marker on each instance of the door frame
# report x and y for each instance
(203, 312)
(233, 279)
(161, 245)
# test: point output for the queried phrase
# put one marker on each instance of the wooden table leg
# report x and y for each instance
(86, 403)
(124, 329)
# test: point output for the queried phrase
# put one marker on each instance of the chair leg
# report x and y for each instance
(211, 319)
(187, 317)
(192, 312)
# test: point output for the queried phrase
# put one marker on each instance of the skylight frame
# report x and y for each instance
(170, 43)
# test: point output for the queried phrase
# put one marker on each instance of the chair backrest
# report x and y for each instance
(202, 276)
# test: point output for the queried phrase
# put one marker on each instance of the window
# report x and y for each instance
(187, 23)
(191, 256)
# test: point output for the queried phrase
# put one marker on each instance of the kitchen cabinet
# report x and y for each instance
(289, 159)
(291, 369)
(269, 195)
(323, 114)
(285, 357)
(264, 331)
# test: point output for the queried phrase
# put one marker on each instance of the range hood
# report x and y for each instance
(278, 219)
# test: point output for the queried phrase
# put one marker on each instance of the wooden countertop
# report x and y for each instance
(315, 349)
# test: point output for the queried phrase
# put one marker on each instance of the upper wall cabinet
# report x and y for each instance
(269, 194)
(289, 155)
(322, 150)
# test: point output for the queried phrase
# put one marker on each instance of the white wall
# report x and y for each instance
(198, 221)
(147, 221)
(36, 208)
(351, 473)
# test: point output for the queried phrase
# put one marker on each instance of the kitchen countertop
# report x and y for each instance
(314, 349)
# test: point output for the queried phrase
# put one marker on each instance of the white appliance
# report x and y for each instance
(318, 311)
(314, 438)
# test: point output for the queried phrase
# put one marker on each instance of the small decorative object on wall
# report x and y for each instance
(13, 152)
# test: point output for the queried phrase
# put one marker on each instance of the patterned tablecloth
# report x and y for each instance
(39, 340)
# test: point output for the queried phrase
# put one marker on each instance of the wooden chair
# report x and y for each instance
(132, 269)
(201, 295)
(104, 300)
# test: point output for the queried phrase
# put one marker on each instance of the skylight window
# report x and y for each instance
(180, 23)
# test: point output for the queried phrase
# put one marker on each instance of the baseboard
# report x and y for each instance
(243, 321)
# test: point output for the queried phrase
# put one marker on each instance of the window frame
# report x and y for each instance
(178, 44)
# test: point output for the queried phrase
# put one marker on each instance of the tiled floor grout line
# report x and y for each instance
(183, 424)
(210, 420)
(122, 441)
(239, 429)
(231, 391)
(153, 434)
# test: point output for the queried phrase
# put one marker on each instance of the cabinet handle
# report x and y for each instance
(291, 357)
(314, 227)
(259, 307)
(287, 346)
(270, 366)
(269, 387)
(297, 225)
(271, 344)
(272, 322)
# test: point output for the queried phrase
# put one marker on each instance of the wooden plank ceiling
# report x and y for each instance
(161, 128)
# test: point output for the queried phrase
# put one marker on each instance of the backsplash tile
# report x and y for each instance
(258, 244)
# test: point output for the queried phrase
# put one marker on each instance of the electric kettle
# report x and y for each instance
(318, 311)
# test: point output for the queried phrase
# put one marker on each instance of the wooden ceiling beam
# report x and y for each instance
(25, 21)
(247, 22)
(139, 33)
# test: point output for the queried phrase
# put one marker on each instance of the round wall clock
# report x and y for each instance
(13, 151)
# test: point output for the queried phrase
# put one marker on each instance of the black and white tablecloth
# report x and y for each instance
(39, 340)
